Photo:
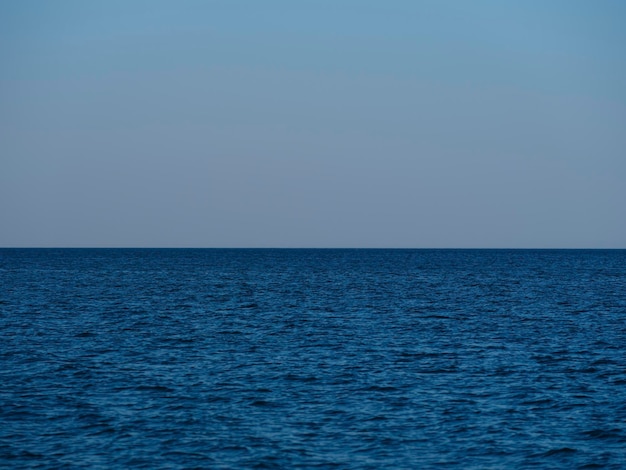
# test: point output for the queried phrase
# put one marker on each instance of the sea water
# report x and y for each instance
(156, 358)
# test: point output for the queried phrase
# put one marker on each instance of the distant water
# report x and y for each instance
(312, 359)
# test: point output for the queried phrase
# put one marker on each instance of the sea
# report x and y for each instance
(312, 358)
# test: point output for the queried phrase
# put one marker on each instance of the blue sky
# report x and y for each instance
(313, 123)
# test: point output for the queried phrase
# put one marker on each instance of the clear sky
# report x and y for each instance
(313, 123)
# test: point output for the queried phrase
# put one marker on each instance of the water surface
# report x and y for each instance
(144, 358)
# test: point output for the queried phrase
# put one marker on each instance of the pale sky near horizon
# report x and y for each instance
(313, 123)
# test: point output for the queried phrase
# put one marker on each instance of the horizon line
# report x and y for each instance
(292, 248)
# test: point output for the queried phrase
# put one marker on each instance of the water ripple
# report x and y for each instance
(312, 359)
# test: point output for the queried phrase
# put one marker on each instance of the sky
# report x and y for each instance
(313, 123)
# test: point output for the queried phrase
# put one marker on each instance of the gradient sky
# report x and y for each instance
(313, 123)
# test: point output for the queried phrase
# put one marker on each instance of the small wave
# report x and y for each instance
(298, 378)
(378, 388)
(153, 388)
(438, 371)
(550, 359)
(612, 434)
(249, 305)
(603, 361)
(561, 451)
(540, 401)
(263, 404)
(179, 454)
(85, 334)
(378, 418)
(25, 454)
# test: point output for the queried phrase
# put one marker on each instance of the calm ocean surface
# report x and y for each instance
(312, 359)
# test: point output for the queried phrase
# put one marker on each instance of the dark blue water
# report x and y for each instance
(312, 359)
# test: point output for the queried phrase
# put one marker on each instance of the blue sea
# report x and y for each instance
(338, 359)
